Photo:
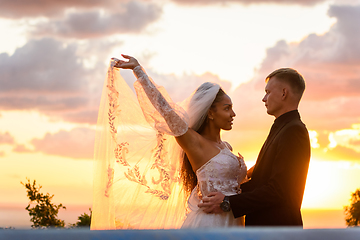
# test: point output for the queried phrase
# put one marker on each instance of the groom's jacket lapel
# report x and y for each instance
(274, 131)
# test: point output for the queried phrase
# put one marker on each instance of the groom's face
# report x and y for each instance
(273, 97)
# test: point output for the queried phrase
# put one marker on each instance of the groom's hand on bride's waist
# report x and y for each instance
(211, 203)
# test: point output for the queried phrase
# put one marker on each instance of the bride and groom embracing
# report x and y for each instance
(197, 181)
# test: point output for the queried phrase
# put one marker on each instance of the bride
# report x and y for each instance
(123, 195)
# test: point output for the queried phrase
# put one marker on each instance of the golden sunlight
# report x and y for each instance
(314, 139)
(348, 137)
(330, 183)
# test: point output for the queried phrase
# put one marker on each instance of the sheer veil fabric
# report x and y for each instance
(137, 161)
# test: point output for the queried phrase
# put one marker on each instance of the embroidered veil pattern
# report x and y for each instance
(136, 169)
(120, 151)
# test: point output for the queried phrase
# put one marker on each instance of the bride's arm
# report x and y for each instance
(177, 125)
(174, 116)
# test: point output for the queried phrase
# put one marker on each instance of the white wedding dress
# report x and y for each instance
(223, 173)
(138, 162)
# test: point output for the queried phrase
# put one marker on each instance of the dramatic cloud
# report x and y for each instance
(330, 65)
(80, 116)
(328, 62)
(16, 9)
(341, 144)
(21, 148)
(42, 103)
(42, 66)
(35, 8)
(131, 17)
(248, 2)
(77, 143)
(50, 77)
(6, 138)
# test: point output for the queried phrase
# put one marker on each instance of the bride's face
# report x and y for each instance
(223, 114)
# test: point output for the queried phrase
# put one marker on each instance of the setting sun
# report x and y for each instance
(329, 184)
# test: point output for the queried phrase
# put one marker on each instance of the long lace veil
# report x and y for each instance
(137, 161)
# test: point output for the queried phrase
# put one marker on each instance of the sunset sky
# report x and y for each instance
(54, 56)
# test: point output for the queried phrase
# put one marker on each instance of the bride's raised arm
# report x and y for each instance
(154, 101)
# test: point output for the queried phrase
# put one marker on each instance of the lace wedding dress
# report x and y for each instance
(137, 160)
(223, 173)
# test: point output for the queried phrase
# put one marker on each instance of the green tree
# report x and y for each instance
(84, 220)
(352, 212)
(42, 211)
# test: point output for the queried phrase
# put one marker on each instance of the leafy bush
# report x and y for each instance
(352, 212)
(42, 211)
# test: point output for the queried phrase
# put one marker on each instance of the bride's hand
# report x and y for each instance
(211, 203)
(131, 64)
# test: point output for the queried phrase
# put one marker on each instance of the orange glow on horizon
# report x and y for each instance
(330, 183)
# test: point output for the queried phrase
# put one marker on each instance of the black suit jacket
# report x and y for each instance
(274, 194)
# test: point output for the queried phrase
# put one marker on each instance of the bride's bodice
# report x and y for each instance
(222, 173)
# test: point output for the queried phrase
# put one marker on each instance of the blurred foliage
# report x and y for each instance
(42, 211)
(352, 212)
(84, 220)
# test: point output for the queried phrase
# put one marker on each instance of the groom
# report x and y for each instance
(273, 195)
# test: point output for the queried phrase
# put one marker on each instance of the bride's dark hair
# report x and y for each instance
(187, 173)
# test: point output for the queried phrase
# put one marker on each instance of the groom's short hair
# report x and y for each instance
(290, 76)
